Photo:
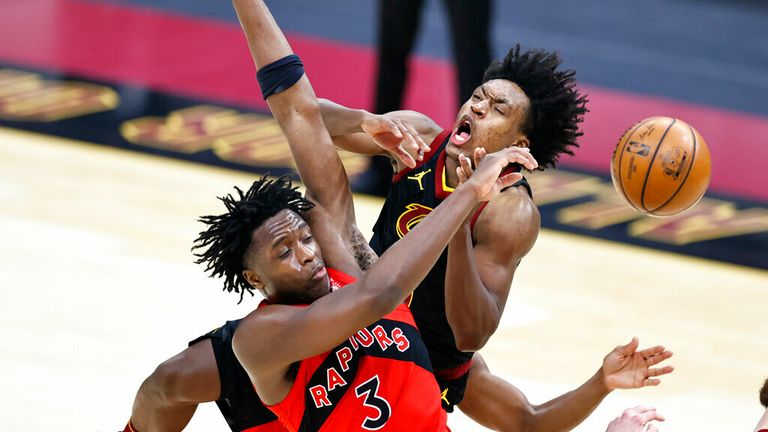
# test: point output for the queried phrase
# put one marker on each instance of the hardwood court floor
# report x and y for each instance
(98, 287)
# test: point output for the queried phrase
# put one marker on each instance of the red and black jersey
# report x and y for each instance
(412, 196)
(379, 379)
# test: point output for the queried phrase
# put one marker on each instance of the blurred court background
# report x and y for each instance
(121, 121)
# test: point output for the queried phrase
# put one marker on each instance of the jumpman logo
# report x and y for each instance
(419, 176)
(444, 396)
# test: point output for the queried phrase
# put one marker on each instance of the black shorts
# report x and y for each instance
(453, 383)
(238, 403)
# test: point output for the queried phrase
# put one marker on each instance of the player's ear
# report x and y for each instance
(254, 279)
(522, 142)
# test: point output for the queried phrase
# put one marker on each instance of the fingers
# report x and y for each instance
(660, 371)
(651, 415)
(465, 165)
(478, 155)
(629, 348)
(462, 176)
(509, 180)
(392, 126)
(412, 140)
(657, 358)
(648, 352)
(522, 156)
(423, 147)
(651, 382)
(404, 157)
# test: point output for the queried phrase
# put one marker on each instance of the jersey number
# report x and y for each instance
(369, 389)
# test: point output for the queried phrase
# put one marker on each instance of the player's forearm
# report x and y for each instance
(570, 409)
(341, 120)
(345, 126)
(404, 265)
(265, 40)
(298, 114)
(471, 310)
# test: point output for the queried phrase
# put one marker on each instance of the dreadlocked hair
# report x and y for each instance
(227, 237)
(557, 107)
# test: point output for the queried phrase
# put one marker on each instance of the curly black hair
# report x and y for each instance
(764, 394)
(557, 107)
(226, 239)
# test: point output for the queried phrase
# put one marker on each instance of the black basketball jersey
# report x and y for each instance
(412, 196)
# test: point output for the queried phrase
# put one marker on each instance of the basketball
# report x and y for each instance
(661, 166)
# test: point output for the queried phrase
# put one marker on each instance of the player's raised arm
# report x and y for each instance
(400, 134)
(295, 107)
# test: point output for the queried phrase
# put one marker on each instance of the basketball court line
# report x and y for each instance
(99, 287)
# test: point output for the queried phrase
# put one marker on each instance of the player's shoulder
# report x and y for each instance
(514, 204)
(511, 219)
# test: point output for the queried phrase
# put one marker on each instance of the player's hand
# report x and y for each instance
(397, 137)
(636, 419)
(487, 168)
(625, 367)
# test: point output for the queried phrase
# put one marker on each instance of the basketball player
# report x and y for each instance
(762, 426)
(318, 357)
(207, 371)
(525, 101)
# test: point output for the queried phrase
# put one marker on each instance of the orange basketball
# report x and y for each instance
(661, 166)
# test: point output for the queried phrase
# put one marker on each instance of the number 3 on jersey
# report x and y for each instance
(373, 400)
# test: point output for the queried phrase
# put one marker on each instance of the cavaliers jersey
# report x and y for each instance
(412, 196)
(378, 379)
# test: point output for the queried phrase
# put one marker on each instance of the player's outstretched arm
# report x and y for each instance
(168, 398)
(497, 404)
(276, 336)
(403, 135)
(296, 109)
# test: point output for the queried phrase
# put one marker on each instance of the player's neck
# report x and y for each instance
(451, 178)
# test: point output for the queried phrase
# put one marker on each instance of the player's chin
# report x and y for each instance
(318, 289)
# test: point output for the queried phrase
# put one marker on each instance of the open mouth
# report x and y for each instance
(463, 131)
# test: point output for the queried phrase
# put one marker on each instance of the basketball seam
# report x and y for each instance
(621, 157)
(690, 168)
(650, 164)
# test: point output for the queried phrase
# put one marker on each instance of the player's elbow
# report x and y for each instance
(303, 106)
(470, 341)
(165, 387)
(471, 333)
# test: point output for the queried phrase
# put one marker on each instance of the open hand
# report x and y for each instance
(396, 136)
(488, 167)
(625, 367)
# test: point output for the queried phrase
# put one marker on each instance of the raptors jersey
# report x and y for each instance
(412, 196)
(379, 379)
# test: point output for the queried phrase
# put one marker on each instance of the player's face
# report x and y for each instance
(286, 264)
(491, 118)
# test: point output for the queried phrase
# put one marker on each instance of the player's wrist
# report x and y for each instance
(363, 118)
(602, 382)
